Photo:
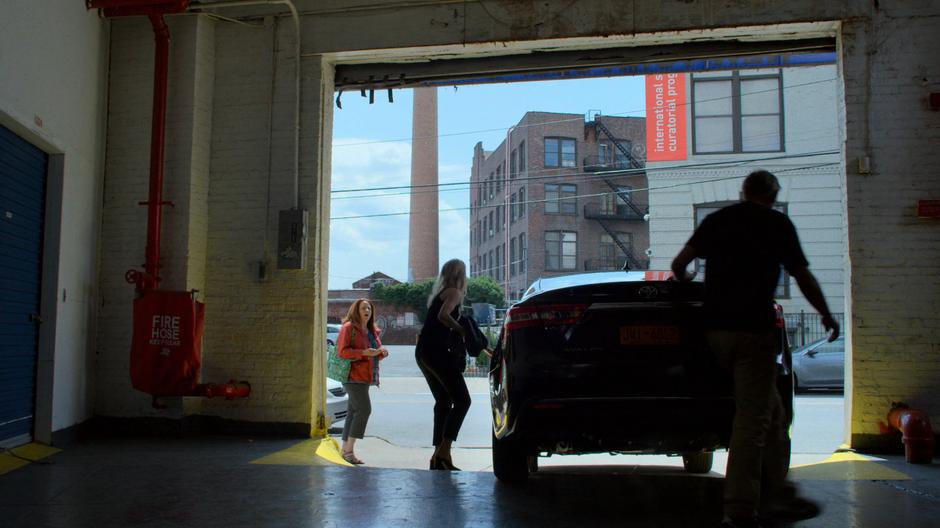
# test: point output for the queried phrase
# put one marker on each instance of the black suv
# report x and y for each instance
(611, 362)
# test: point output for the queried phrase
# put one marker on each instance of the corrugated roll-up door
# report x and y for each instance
(22, 205)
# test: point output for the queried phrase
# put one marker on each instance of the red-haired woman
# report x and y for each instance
(359, 341)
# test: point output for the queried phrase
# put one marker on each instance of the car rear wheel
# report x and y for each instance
(510, 462)
(698, 463)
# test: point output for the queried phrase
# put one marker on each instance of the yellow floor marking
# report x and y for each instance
(13, 458)
(307, 453)
(847, 466)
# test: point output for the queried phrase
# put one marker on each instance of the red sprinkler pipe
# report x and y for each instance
(917, 434)
(157, 146)
(229, 391)
(153, 9)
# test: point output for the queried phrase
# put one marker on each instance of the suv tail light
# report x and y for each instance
(543, 315)
(779, 311)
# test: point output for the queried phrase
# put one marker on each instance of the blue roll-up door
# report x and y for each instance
(22, 205)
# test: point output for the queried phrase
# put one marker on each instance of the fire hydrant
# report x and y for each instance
(917, 436)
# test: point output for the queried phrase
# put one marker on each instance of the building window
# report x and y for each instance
(703, 210)
(499, 218)
(561, 198)
(480, 192)
(561, 250)
(512, 207)
(489, 269)
(512, 257)
(521, 166)
(737, 112)
(512, 165)
(521, 202)
(612, 256)
(522, 253)
(499, 178)
(618, 202)
(560, 152)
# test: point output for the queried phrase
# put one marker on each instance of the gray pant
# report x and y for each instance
(360, 407)
(759, 452)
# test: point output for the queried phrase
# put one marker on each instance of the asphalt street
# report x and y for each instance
(399, 430)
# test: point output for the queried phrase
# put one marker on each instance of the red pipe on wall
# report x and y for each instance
(153, 9)
(917, 436)
(157, 147)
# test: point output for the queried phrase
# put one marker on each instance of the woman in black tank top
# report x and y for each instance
(440, 356)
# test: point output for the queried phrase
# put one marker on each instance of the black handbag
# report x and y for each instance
(475, 340)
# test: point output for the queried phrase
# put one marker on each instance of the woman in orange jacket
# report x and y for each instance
(358, 340)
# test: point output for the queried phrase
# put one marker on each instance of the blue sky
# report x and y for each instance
(372, 148)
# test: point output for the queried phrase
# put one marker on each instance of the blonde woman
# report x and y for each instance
(442, 360)
(359, 340)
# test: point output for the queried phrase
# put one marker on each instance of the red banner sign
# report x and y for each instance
(665, 117)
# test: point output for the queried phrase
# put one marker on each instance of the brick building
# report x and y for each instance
(399, 325)
(568, 196)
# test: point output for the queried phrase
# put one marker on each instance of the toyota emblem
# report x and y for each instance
(648, 292)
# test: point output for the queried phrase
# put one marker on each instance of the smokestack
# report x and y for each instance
(423, 259)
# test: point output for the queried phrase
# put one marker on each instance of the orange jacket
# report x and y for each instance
(352, 342)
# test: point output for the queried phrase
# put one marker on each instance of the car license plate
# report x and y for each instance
(649, 335)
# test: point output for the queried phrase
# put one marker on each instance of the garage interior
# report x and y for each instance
(252, 87)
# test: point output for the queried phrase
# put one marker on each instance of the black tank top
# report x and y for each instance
(434, 333)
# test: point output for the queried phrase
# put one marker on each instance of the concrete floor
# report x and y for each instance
(224, 481)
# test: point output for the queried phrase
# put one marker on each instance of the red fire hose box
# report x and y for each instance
(166, 352)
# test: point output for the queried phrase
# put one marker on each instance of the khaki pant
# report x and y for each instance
(759, 451)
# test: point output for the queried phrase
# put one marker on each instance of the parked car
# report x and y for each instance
(820, 365)
(332, 333)
(611, 362)
(337, 401)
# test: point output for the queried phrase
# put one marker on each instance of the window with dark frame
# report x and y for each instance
(561, 198)
(521, 202)
(705, 209)
(561, 250)
(523, 255)
(739, 111)
(512, 257)
(560, 152)
(522, 166)
(512, 165)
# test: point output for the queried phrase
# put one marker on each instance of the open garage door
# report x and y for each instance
(22, 204)
(555, 65)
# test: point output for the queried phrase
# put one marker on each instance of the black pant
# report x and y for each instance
(451, 397)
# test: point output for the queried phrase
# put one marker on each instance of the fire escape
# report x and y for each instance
(624, 208)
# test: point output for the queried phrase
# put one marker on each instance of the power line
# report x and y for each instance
(469, 185)
(594, 195)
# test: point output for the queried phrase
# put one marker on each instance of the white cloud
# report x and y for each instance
(361, 246)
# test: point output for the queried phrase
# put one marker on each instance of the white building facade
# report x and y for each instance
(730, 123)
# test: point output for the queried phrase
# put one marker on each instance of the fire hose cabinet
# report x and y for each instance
(166, 351)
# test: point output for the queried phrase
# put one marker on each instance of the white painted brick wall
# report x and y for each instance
(895, 279)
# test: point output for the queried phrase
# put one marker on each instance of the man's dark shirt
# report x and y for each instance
(744, 246)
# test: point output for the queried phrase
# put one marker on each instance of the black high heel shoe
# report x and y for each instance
(441, 464)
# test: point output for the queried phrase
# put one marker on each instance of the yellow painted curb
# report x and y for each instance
(847, 466)
(306, 453)
(17, 457)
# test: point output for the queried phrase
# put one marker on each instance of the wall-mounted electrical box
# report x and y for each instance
(292, 239)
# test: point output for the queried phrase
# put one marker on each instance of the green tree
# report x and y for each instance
(414, 296)
(484, 289)
(406, 295)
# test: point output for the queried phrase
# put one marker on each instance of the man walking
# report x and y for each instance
(744, 246)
